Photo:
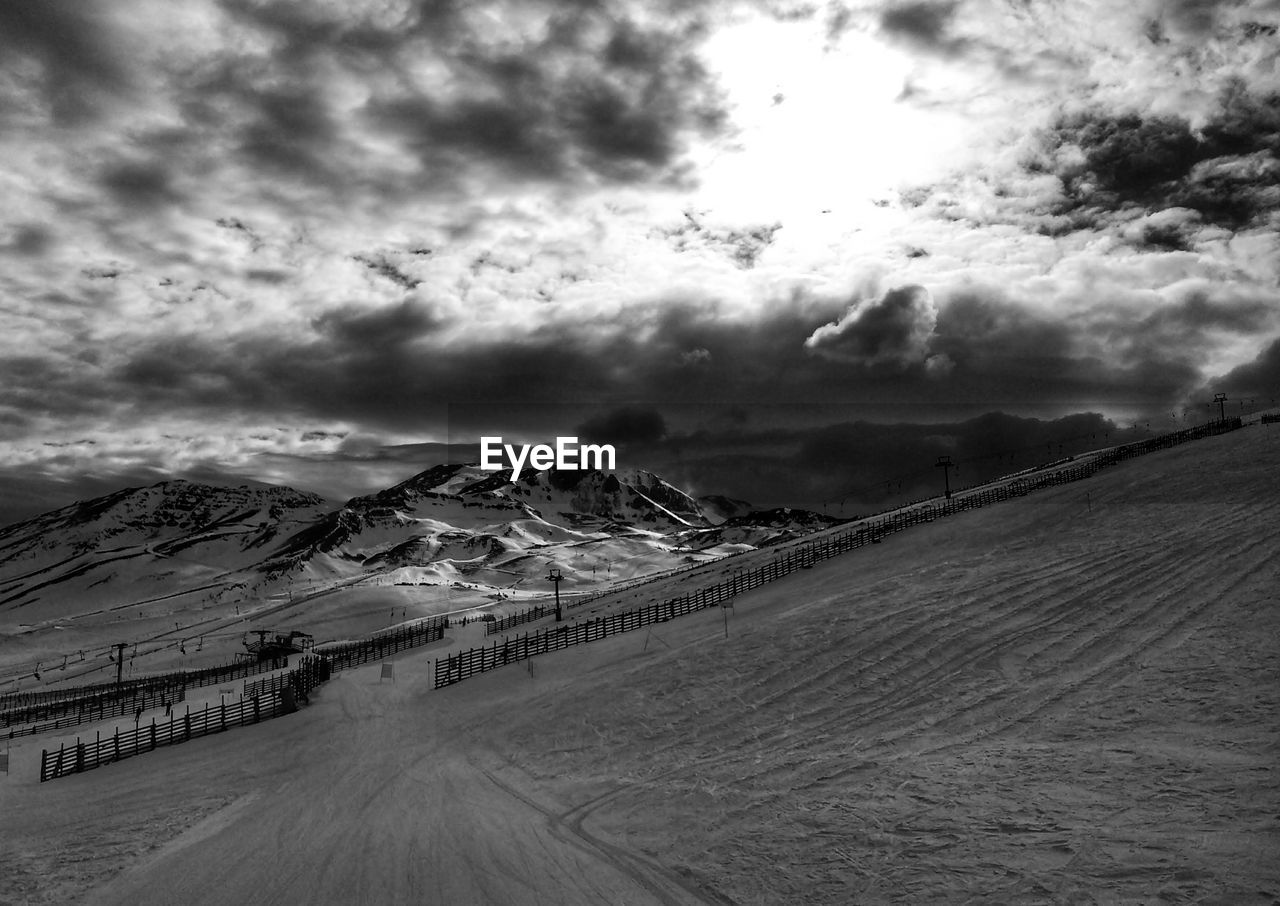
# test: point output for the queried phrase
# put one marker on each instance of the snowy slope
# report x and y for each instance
(1069, 698)
(140, 542)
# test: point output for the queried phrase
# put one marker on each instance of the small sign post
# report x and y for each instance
(388, 672)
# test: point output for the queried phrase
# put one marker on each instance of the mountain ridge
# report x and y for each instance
(447, 524)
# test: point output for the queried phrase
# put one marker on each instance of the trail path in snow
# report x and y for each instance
(381, 803)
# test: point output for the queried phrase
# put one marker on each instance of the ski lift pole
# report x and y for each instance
(556, 577)
(945, 463)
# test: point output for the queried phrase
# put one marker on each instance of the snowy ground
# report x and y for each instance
(1066, 699)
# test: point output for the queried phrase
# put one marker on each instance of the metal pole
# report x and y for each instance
(944, 463)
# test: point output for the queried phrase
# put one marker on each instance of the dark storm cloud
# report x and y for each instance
(391, 369)
(80, 53)
(386, 367)
(1228, 171)
(1131, 155)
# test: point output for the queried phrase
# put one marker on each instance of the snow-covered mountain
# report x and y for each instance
(140, 541)
(456, 521)
(193, 546)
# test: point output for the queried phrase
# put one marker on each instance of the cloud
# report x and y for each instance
(1258, 379)
(584, 94)
(694, 358)
(1191, 18)
(395, 367)
(926, 24)
(139, 185)
(341, 218)
(1227, 171)
(625, 425)
(357, 328)
(79, 50)
(743, 245)
(893, 331)
(28, 240)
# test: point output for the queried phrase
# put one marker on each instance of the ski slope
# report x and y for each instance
(1070, 698)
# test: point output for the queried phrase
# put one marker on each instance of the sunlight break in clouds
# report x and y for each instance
(818, 127)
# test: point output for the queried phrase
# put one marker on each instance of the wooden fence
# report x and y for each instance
(516, 619)
(457, 667)
(85, 756)
(57, 708)
(261, 700)
(110, 703)
(12, 702)
(102, 708)
(56, 701)
(352, 654)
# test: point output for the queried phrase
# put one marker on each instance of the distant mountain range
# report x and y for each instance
(449, 524)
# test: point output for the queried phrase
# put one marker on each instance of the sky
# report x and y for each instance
(784, 251)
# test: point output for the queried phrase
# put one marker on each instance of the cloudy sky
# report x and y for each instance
(781, 250)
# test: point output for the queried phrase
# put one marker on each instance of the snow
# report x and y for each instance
(1069, 698)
